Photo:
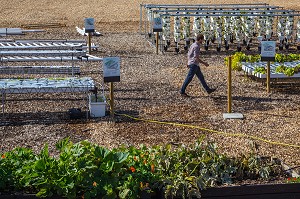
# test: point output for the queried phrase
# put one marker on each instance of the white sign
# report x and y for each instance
(89, 24)
(268, 50)
(157, 25)
(111, 69)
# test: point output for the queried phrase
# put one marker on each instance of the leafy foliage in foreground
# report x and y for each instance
(87, 170)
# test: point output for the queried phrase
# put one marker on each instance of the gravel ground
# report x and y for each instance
(149, 89)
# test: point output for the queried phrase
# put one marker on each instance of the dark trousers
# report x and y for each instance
(194, 70)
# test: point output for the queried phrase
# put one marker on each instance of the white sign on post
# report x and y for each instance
(157, 25)
(89, 25)
(268, 50)
(111, 69)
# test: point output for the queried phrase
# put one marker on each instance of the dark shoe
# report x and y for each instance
(211, 90)
(184, 94)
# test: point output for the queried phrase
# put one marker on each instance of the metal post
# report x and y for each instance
(146, 23)
(229, 86)
(88, 105)
(268, 76)
(89, 43)
(141, 18)
(3, 103)
(72, 63)
(111, 101)
(157, 36)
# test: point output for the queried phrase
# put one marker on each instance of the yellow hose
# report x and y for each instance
(213, 131)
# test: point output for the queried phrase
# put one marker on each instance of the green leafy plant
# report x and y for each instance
(90, 171)
(10, 164)
(261, 70)
(286, 58)
(297, 68)
(188, 170)
(239, 57)
(292, 57)
(289, 71)
(254, 58)
(280, 58)
(293, 180)
(280, 69)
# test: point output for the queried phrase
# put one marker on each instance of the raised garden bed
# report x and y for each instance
(262, 191)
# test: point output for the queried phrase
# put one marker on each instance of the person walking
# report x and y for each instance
(193, 65)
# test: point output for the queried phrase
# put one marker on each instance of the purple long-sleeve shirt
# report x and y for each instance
(193, 53)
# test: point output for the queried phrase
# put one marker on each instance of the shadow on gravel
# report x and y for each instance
(46, 118)
(66, 117)
(250, 103)
(132, 98)
(126, 116)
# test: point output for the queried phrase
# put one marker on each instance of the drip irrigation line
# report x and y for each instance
(213, 131)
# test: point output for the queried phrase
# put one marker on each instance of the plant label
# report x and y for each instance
(111, 69)
(89, 25)
(268, 50)
(157, 25)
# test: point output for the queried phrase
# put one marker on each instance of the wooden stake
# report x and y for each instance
(157, 36)
(89, 42)
(229, 86)
(268, 76)
(111, 101)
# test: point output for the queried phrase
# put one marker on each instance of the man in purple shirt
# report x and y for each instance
(193, 64)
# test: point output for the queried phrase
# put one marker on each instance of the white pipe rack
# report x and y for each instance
(43, 45)
(70, 70)
(15, 31)
(43, 58)
(224, 11)
(152, 7)
(44, 40)
(212, 6)
(43, 52)
(238, 14)
(46, 85)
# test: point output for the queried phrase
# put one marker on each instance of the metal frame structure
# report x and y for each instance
(166, 7)
(45, 85)
(260, 11)
(44, 50)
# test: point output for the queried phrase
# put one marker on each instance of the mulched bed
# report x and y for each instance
(149, 89)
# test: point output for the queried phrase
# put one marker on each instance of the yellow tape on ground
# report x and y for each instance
(213, 131)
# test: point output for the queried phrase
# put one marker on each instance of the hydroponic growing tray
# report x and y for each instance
(250, 67)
